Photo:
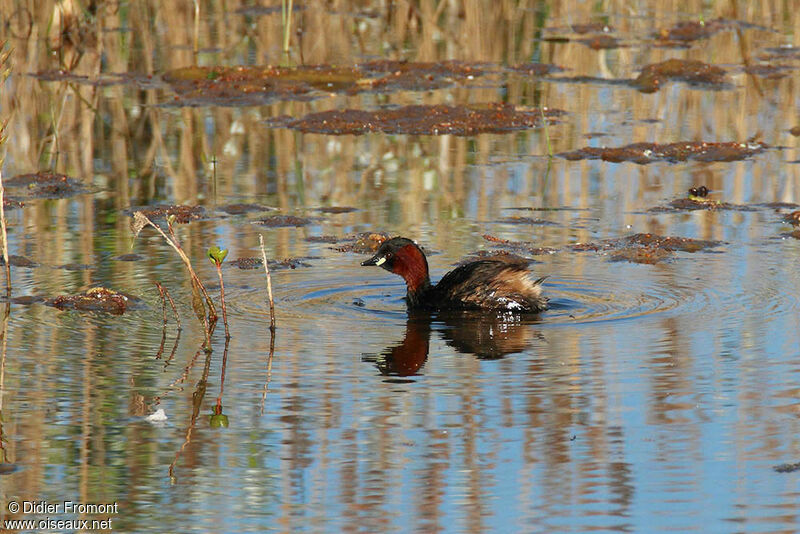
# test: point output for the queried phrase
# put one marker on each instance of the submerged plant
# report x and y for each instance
(217, 256)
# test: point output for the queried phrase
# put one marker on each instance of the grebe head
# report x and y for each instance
(403, 257)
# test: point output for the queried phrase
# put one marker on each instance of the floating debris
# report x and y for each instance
(527, 220)
(27, 300)
(787, 468)
(697, 199)
(391, 75)
(241, 209)
(364, 243)
(502, 255)
(249, 263)
(781, 52)
(260, 85)
(685, 70)
(772, 72)
(96, 299)
(183, 214)
(280, 221)
(74, 267)
(644, 153)
(591, 27)
(128, 257)
(43, 185)
(601, 42)
(525, 247)
(18, 261)
(645, 248)
(535, 69)
(337, 209)
(694, 30)
(423, 120)
(322, 239)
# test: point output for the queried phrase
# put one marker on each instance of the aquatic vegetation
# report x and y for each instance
(44, 185)
(692, 72)
(217, 256)
(281, 221)
(424, 120)
(645, 153)
(98, 299)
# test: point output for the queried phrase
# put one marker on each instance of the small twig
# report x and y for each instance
(269, 285)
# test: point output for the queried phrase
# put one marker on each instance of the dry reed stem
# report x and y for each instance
(269, 285)
(3, 232)
(140, 220)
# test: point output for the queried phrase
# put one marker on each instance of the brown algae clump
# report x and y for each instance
(685, 70)
(96, 299)
(425, 120)
(645, 153)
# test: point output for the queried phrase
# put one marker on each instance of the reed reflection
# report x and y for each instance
(488, 336)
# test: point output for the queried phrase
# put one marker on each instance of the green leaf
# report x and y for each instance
(217, 255)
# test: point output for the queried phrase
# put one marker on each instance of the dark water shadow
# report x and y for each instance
(487, 336)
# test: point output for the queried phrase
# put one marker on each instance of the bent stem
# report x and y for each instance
(269, 285)
(140, 220)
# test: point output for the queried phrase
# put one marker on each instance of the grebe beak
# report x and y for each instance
(377, 259)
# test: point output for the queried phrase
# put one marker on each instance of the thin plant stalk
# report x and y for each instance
(269, 369)
(196, 44)
(5, 71)
(222, 297)
(140, 221)
(546, 133)
(174, 309)
(269, 285)
(3, 231)
(212, 313)
(286, 21)
(163, 305)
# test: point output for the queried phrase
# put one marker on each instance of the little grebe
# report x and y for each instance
(491, 284)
